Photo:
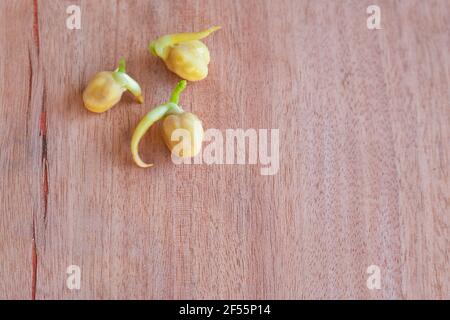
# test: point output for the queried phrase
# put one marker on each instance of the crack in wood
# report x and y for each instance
(30, 87)
(44, 186)
(44, 155)
(44, 173)
(33, 263)
(36, 37)
(33, 228)
(44, 162)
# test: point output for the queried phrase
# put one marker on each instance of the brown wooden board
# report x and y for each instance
(364, 123)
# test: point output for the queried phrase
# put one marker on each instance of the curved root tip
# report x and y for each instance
(140, 99)
(146, 165)
(141, 163)
(138, 159)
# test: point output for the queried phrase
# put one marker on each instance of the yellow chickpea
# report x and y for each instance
(105, 89)
(182, 131)
(184, 53)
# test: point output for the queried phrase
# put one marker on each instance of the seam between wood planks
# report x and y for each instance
(44, 162)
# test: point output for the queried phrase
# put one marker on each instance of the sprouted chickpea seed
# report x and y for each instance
(184, 53)
(174, 118)
(105, 89)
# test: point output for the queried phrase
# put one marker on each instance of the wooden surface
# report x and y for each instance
(364, 121)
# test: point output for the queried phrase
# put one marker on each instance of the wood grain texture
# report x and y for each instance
(21, 146)
(364, 119)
